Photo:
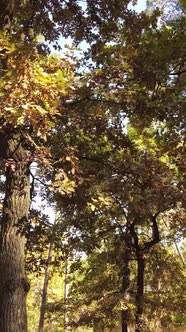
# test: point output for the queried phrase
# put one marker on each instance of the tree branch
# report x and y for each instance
(155, 234)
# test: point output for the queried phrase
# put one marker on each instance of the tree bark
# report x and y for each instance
(13, 281)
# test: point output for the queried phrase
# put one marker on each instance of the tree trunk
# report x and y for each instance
(124, 320)
(140, 292)
(125, 286)
(126, 281)
(140, 250)
(45, 287)
(66, 290)
(13, 282)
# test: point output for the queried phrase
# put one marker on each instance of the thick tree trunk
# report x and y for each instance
(13, 282)
(140, 292)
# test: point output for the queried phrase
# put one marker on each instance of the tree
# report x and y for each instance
(164, 288)
(45, 285)
(135, 77)
(45, 108)
(31, 89)
(124, 204)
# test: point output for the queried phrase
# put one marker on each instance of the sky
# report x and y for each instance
(140, 5)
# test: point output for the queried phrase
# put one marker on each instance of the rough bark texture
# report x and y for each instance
(13, 282)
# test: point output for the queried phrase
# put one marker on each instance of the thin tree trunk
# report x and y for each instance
(66, 289)
(13, 282)
(177, 247)
(140, 292)
(179, 253)
(140, 250)
(125, 286)
(45, 287)
(124, 318)
(126, 281)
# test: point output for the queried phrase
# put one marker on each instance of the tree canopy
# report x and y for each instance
(105, 129)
